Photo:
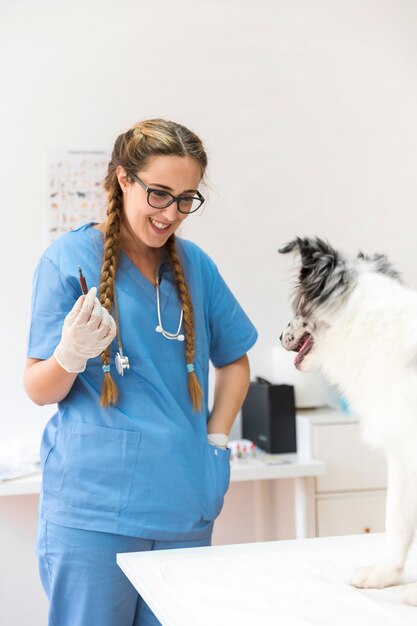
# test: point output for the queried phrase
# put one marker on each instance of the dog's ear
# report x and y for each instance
(289, 247)
(322, 273)
(381, 263)
(312, 250)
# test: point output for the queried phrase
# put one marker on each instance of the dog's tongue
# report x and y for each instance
(305, 344)
(303, 349)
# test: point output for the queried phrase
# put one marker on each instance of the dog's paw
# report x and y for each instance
(410, 596)
(375, 577)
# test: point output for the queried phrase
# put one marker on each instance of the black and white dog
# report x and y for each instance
(357, 323)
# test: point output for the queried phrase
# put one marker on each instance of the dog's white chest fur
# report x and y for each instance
(369, 348)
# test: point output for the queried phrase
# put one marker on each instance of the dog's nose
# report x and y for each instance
(280, 337)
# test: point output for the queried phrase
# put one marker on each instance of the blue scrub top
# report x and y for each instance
(143, 467)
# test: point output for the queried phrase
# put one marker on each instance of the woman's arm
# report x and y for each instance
(231, 386)
(46, 382)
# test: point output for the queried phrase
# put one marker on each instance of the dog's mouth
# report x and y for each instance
(304, 346)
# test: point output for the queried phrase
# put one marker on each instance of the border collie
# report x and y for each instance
(357, 322)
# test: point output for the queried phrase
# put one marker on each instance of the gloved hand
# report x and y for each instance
(218, 439)
(88, 329)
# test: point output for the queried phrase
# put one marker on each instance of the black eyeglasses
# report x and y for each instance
(159, 199)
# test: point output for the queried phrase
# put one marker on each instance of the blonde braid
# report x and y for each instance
(109, 393)
(194, 387)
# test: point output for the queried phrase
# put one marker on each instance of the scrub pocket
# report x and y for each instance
(217, 478)
(99, 467)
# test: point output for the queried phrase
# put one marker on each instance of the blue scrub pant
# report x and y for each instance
(84, 584)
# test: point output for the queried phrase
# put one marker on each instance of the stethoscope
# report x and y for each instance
(121, 361)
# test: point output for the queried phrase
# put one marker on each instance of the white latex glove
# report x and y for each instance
(87, 331)
(218, 439)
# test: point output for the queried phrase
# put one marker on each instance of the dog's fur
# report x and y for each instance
(363, 326)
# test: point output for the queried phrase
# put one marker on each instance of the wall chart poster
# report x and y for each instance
(75, 190)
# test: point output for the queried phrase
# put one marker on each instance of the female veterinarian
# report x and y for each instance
(132, 460)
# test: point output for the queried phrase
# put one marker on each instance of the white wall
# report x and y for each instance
(307, 109)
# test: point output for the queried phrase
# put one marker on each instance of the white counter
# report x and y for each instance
(283, 466)
(26, 485)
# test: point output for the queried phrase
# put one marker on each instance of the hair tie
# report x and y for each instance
(106, 368)
(190, 367)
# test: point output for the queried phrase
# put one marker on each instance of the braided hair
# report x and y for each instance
(131, 151)
(194, 387)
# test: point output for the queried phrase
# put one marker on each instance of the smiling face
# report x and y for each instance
(147, 226)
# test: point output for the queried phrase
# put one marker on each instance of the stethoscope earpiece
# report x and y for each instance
(159, 328)
(167, 335)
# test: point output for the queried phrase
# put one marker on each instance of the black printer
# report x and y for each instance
(268, 417)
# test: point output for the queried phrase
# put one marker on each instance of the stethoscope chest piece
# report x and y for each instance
(121, 362)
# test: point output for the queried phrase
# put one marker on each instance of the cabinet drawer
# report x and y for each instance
(351, 514)
(350, 463)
